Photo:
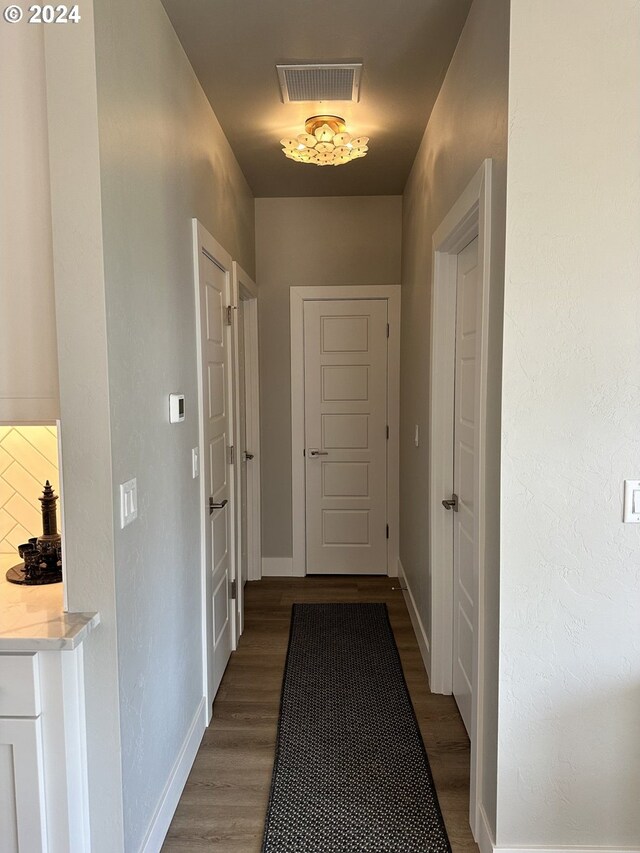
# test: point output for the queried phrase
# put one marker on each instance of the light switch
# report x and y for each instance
(128, 502)
(195, 462)
(416, 436)
(631, 502)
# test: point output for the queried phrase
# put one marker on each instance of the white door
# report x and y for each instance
(345, 370)
(464, 545)
(245, 339)
(214, 297)
(245, 455)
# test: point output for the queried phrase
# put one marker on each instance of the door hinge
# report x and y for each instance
(234, 590)
(229, 317)
(387, 531)
(387, 432)
(231, 454)
(388, 330)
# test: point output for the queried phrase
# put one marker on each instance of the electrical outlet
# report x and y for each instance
(128, 502)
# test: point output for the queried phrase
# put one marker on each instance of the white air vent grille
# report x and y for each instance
(327, 82)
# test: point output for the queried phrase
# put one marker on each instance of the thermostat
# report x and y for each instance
(176, 408)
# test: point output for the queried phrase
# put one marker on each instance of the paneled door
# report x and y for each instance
(464, 546)
(215, 343)
(345, 372)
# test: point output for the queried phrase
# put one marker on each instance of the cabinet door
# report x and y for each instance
(22, 814)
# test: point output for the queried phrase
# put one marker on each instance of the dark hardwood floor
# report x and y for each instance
(223, 804)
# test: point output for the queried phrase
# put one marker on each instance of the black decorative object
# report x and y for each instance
(42, 555)
(351, 774)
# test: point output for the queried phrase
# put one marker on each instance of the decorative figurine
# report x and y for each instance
(42, 555)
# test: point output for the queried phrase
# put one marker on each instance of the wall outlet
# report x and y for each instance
(128, 502)
(195, 462)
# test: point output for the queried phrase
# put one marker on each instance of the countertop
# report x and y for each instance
(33, 619)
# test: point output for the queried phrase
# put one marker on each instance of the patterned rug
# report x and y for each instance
(351, 774)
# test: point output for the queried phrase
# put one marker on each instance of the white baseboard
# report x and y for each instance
(487, 845)
(168, 803)
(416, 621)
(485, 837)
(566, 849)
(277, 567)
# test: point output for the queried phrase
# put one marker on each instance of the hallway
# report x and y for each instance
(223, 804)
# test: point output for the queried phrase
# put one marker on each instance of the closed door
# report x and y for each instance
(245, 454)
(215, 345)
(464, 544)
(345, 368)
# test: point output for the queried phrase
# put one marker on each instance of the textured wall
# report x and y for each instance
(468, 124)
(307, 241)
(163, 160)
(569, 747)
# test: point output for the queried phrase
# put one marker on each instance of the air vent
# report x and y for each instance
(326, 82)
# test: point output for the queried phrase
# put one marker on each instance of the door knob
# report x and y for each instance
(452, 503)
(314, 452)
(248, 456)
(213, 505)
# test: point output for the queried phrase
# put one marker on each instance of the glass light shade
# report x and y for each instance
(341, 139)
(289, 143)
(326, 143)
(360, 142)
(324, 133)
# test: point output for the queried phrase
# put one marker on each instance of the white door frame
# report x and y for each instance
(245, 289)
(298, 296)
(469, 217)
(204, 242)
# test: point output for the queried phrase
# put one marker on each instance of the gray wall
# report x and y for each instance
(570, 587)
(307, 241)
(468, 124)
(123, 244)
(164, 160)
(28, 362)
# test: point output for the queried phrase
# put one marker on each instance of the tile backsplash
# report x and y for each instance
(28, 457)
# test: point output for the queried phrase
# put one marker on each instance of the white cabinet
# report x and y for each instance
(22, 803)
(43, 780)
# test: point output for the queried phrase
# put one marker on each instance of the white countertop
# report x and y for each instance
(33, 619)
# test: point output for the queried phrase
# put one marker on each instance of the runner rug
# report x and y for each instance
(351, 774)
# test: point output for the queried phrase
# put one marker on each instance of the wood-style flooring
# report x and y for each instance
(223, 804)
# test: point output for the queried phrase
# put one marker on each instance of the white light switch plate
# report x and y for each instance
(128, 502)
(631, 502)
(195, 462)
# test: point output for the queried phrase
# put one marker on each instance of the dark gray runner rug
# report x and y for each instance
(351, 774)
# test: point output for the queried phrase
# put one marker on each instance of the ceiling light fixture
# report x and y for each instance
(325, 143)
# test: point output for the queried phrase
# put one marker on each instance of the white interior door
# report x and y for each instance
(245, 455)
(345, 371)
(464, 465)
(214, 297)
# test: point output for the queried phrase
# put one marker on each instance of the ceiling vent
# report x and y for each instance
(320, 82)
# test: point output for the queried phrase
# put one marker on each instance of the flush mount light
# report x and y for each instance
(325, 143)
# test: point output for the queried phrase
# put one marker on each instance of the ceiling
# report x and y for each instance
(405, 45)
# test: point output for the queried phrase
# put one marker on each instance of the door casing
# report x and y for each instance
(470, 217)
(298, 296)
